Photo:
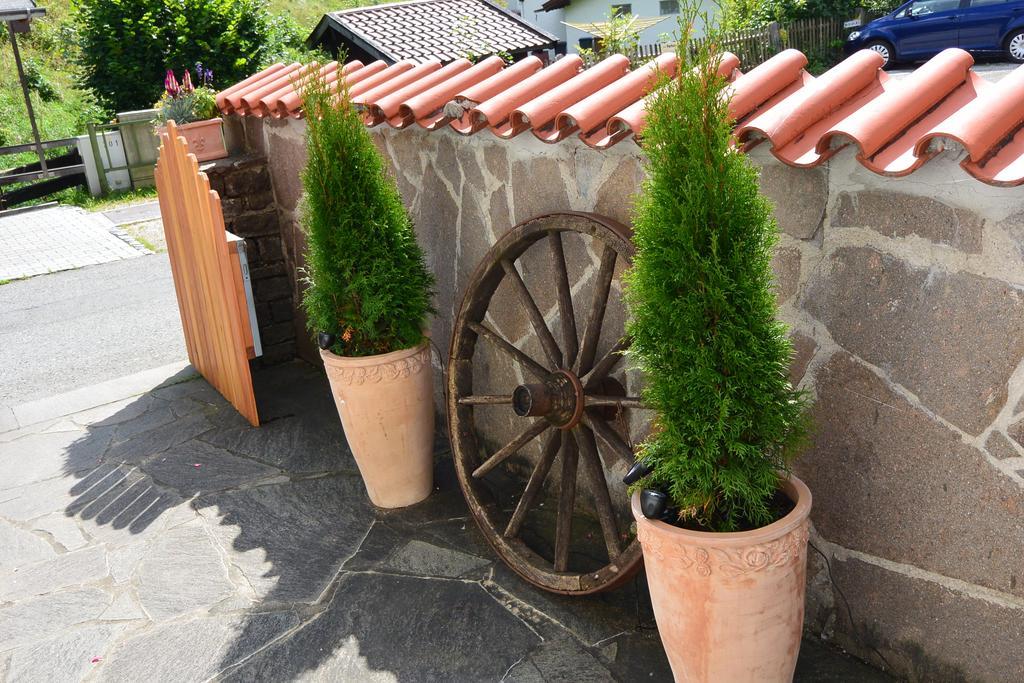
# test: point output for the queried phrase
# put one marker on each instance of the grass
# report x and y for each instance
(79, 196)
(307, 13)
(62, 108)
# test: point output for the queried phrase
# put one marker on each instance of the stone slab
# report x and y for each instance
(195, 467)
(895, 214)
(37, 618)
(193, 650)
(426, 559)
(799, 213)
(411, 628)
(890, 481)
(67, 657)
(953, 339)
(85, 566)
(21, 547)
(289, 540)
(181, 571)
(925, 631)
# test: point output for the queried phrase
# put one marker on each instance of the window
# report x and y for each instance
(669, 7)
(586, 43)
(622, 10)
(925, 7)
(983, 3)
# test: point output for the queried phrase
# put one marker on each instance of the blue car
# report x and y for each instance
(921, 29)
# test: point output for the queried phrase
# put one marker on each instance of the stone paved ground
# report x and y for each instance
(158, 537)
(60, 238)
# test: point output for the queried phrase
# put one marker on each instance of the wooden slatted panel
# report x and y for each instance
(206, 280)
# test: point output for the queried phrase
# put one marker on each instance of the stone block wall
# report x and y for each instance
(250, 211)
(905, 297)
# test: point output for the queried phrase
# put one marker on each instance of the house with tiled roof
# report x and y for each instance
(420, 30)
(577, 13)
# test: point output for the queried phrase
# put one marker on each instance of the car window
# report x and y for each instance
(924, 7)
(983, 3)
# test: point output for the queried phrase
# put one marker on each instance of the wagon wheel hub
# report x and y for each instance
(559, 399)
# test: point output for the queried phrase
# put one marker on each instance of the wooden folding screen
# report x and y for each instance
(206, 279)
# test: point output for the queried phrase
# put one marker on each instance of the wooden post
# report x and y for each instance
(28, 99)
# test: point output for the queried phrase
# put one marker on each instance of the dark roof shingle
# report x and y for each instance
(436, 29)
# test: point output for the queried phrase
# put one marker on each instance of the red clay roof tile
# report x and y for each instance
(896, 126)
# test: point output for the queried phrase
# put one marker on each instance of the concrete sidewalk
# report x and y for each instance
(149, 533)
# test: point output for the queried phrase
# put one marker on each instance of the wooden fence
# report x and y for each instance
(207, 281)
(819, 39)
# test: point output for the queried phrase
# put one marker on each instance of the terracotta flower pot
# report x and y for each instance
(386, 405)
(205, 138)
(729, 606)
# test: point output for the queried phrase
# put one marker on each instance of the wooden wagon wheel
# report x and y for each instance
(568, 404)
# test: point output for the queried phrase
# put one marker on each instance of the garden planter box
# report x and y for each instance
(205, 138)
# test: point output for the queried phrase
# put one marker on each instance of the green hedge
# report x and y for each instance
(127, 45)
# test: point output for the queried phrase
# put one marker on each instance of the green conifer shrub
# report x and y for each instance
(703, 312)
(368, 283)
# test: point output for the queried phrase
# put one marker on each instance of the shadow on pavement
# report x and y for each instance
(254, 554)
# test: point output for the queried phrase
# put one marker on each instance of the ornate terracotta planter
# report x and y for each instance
(729, 606)
(387, 409)
(205, 138)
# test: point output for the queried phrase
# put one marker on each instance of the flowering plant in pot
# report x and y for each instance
(367, 300)
(194, 109)
(722, 522)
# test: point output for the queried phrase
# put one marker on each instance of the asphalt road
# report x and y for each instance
(75, 328)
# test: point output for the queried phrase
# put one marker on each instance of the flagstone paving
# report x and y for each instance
(159, 537)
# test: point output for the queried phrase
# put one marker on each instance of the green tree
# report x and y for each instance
(368, 284)
(619, 37)
(127, 45)
(703, 310)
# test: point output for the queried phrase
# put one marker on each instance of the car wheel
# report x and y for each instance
(882, 48)
(1015, 46)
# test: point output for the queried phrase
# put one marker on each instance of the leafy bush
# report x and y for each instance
(368, 284)
(740, 14)
(620, 37)
(127, 44)
(703, 312)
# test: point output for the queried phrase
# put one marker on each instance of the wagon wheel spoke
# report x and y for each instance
(611, 438)
(595, 400)
(501, 344)
(608, 362)
(535, 485)
(547, 341)
(485, 400)
(602, 497)
(598, 304)
(566, 504)
(512, 447)
(566, 315)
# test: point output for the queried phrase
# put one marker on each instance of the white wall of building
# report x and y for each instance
(547, 21)
(584, 11)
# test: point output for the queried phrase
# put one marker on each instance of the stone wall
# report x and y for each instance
(247, 200)
(906, 303)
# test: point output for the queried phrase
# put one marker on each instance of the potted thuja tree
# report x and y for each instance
(722, 523)
(367, 300)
